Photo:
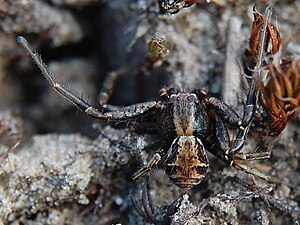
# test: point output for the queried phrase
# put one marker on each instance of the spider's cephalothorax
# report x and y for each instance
(182, 114)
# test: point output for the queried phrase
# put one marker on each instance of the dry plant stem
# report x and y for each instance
(252, 191)
(250, 108)
(270, 201)
(232, 76)
(260, 57)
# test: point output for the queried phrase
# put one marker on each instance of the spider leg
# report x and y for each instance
(149, 165)
(250, 108)
(242, 164)
(238, 161)
(255, 156)
(108, 86)
(147, 204)
(117, 114)
(223, 141)
(224, 111)
(122, 113)
(145, 209)
(227, 114)
(243, 131)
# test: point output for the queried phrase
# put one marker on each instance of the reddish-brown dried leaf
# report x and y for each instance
(273, 36)
(280, 96)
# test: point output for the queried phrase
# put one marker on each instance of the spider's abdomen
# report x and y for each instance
(186, 162)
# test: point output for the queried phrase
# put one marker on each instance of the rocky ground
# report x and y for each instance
(60, 167)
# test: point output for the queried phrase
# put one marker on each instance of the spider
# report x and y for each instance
(190, 123)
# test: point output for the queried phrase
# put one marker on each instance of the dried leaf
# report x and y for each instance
(280, 96)
(273, 35)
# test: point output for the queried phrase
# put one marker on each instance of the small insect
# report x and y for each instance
(157, 48)
(174, 6)
(157, 51)
(189, 123)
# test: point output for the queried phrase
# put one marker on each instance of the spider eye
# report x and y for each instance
(173, 90)
(173, 98)
(191, 98)
(200, 93)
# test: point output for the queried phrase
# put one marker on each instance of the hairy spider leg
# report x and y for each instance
(251, 101)
(239, 161)
(122, 114)
(223, 115)
(155, 159)
(227, 114)
(146, 211)
(224, 111)
(108, 87)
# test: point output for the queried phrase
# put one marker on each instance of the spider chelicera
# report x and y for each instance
(188, 122)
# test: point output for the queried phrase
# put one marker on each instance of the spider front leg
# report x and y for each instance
(117, 114)
(225, 113)
(244, 127)
(261, 49)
